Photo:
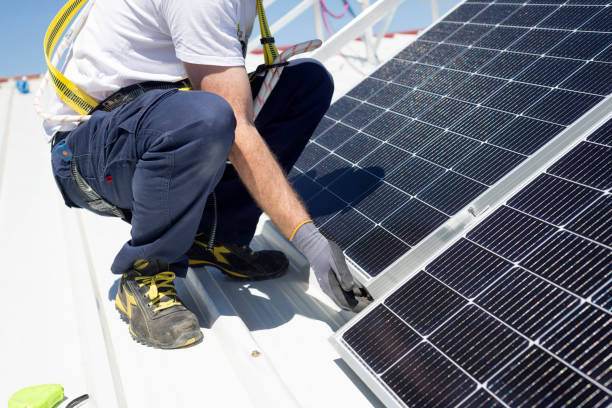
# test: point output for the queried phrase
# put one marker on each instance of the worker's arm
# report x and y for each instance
(266, 181)
(250, 156)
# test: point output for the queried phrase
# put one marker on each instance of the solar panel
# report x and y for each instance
(517, 312)
(475, 97)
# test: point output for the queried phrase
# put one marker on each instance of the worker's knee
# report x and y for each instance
(315, 77)
(206, 116)
(217, 117)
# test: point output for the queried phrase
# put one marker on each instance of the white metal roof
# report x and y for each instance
(265, 343)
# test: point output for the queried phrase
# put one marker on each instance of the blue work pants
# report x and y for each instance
(160, 157)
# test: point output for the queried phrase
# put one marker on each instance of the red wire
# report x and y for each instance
(329, 33)
(328, 11)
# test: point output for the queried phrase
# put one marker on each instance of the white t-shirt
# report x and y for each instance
(125, 42)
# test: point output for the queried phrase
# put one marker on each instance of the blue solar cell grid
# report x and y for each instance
(516, 313)
(451, 115)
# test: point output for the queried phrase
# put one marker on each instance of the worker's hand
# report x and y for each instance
(327, 261)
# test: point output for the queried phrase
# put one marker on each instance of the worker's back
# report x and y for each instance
(129, 41)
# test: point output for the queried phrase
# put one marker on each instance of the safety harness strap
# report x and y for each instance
(68, 92)
(267, 41)
(89, 195)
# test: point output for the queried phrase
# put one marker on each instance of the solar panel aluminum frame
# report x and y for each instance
(477, 209)
(566, 142)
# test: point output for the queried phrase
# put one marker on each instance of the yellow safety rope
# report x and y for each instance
(77, 99)
(267, 41)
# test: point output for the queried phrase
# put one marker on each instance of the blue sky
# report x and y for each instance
(23, 24)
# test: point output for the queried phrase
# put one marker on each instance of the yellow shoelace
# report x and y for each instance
(160, 285)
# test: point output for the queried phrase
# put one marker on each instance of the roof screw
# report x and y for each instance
(255, 353)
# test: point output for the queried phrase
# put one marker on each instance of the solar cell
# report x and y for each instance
(553, 199)
(538, 379)
(508, 64)
(513, 74)
(487, 164)
(563, 107)
(572, 262)
(376, 250)
(494, 13)
(446, 112)
(384, 159)
(413, 221)
(451, 192)
(539, 41)
(388, 95)
(569, 17)
(468, 34)
(381, 338)
(525, 135)
(477, 88)
(424, 377)
(498, 38)
(305, 186)
(485, 345)
(526, 302)
(601, 22)
(529, 16)
(375, 202)
(587, 163)
(335, 136)
(415, 74)
(329, 169)
(596, 222)
(444, 81)
(511, 233)
(582, 45)
(362, 115)
(583, 341)
(323, 206)
(415, 103)
(341, 107)
(472, 59)
(603, 298)
(481, 123)
(464, 13)
(550, 71)
(391, 69)
(594, 77)
(416, 136)
(440, 31)
(358, 147)
(468, 268)
(345, 236)
(366, 88)
(387, 125)
(312, 154)
(424, 303)
(515, 97)
(354, 182)
(414, 175)
(448, 149)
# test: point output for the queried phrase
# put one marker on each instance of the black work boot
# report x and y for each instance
(147, 299)
(238, 261)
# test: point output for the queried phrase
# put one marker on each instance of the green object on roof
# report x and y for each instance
(37, 396)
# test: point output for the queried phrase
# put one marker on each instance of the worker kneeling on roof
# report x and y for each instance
(158, 157)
